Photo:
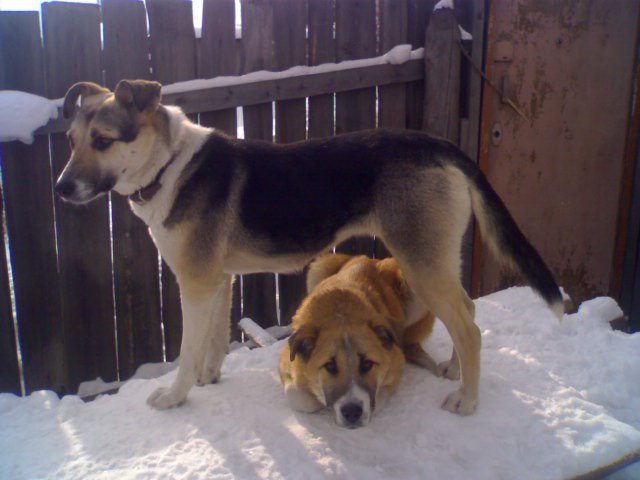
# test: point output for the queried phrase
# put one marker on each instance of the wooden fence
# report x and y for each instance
(90, 296)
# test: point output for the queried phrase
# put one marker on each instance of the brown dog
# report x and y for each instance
(346, 351)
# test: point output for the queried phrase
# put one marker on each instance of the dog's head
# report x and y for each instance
(113, 138)
(351, 364)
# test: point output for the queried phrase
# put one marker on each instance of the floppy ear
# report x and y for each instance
(80, 89)
(141, 94)
(302, 342)
(386, 336)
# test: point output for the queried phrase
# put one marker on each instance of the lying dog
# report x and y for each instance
(218, 206)
(349, 334)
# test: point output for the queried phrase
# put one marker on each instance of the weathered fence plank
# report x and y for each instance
(259, 290)
(355, 39)
(218, 57)
(442, 76)
(72, 53)
(289, 24)
(419, 13)
(173, 58)
(392, 99)
(321, 50)
(135, 258)
(26, 176)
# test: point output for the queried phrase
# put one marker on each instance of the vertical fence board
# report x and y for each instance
(356, 110)
(259, 300)
(135, 258)
(9, 368)
(72, 53)
(419, 13)
(392, 99)
(26, 176)
(393, 31)
(442, 76)
(173, 58)
(289, 23)
(218, 57)
(321, 50)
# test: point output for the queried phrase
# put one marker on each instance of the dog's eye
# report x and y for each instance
(331, 367)
(102, 143)
(366, 365)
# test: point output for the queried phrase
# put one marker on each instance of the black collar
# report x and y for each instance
(146, 193)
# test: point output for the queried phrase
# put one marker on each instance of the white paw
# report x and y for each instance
(449, 369)
(209, 375)
(164, 397)
(460, 402)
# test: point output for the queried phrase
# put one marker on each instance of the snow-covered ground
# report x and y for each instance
(557, 400)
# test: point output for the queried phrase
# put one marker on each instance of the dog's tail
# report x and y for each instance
(501, 233)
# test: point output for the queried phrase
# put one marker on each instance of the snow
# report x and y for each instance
(556, 400)
(22, 113)
(256, 332)
(397, 55)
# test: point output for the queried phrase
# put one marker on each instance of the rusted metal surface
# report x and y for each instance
(560, 170)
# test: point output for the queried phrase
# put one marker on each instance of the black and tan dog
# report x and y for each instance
(349, 336)
(217, 206)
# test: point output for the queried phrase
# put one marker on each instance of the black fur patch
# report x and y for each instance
(296, 196)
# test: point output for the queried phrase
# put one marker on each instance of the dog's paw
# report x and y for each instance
(164, 398)
(449, 369)
(460, 402)
(208, 376)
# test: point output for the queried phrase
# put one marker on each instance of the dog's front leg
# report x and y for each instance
(219, 345)
(200, 301)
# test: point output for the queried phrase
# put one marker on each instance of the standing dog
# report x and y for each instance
(346, 350)
(218, 206)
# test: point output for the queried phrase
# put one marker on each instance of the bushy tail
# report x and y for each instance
(506, 241)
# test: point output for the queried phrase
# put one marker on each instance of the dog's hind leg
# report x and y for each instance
(445, 297)
(200, 300)
(219, 345)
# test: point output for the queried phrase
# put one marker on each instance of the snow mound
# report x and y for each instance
(22, 113)
(557, 399)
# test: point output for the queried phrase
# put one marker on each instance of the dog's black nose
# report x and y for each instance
(65, 188)
(351, 412)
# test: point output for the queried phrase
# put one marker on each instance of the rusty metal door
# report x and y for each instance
(553, 139)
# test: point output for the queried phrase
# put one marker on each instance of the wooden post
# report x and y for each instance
(72, 53)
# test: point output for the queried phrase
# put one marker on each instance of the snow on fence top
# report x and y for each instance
(21, 114)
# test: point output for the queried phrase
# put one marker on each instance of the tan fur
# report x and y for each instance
(350, 299)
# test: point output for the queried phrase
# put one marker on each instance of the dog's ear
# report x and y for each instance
(80, 89)
(386, 336)
(302, 342)
(140, 94)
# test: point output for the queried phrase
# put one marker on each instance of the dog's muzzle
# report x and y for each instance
(354, 408)
(351, 413)
(65, 188)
